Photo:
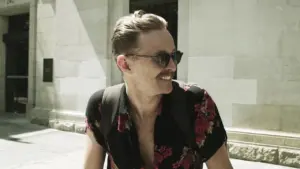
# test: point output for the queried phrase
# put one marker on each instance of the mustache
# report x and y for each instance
(172, 74)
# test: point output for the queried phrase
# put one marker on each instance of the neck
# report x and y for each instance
(142, 104)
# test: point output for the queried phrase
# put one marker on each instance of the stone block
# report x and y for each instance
(243, 91)
(269, 92)
(90, 26)
(291, 68)
(77, 52)
(66, 68)
(211, 28)
(68, 85)
(90, 85)
(90, 4)
(80, 128)
(46, 26)
(269, 140)
(94, 68)
(225, 110)
(74, 116)
(234, 136)
(265, 68)
(40, 121)
(246, 26)
(292, 141)
(212, 67)
(290, 116)
(253, 152)
(66, 101)
(289, 157)
(46, 8)
(293, 3)
(67, 32)
(265, 117)
(46, 96)
(289, 42)
(45, 47)
(63, 125)
(230, 91)
(290, 91)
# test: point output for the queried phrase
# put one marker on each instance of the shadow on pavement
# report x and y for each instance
(12, 125)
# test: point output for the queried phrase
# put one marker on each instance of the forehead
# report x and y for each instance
(154, 41)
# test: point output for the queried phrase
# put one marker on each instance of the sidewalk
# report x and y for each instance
(41, 148)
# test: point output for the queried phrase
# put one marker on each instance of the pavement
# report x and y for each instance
(28, 146)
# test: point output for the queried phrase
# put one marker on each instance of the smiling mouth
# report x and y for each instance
(166, 76)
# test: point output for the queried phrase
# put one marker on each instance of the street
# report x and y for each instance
(28, 146)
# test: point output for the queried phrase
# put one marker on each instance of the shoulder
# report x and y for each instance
(191, 89)
(96, 96)
(93, 104)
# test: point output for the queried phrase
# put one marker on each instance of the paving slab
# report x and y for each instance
(28, 146)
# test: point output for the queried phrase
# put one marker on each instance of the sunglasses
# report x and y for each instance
(162, 58)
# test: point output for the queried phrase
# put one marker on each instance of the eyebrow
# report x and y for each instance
(164, 51)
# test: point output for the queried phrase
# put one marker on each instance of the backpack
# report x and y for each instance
(110, 103)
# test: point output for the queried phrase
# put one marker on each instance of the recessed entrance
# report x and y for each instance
(16, 63)
(168, 9)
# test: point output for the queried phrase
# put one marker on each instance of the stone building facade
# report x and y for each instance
(245, 53)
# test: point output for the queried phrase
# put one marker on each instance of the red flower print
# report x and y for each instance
(197, 108)
(122, 120)
(210, 107)
(158, 157)
(186, 159)
(186, 162)
(161, 153)
(168, 153)
(201, 125)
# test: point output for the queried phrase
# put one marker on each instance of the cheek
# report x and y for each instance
(148, 71)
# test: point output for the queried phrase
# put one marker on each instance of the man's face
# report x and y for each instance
(146, 74)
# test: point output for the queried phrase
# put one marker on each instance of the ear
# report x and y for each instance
(123, 64)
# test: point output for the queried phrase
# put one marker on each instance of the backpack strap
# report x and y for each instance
(186, 121)
(109, 107)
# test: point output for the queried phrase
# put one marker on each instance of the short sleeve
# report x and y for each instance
(93, 116)
(209, 129)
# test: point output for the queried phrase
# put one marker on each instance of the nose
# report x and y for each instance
(171, 66)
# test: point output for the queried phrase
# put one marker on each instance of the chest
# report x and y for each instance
(160, 144)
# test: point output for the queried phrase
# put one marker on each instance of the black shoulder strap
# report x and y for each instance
(109, 107)
(193, 94)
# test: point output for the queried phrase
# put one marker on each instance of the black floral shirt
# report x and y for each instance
(171, 149)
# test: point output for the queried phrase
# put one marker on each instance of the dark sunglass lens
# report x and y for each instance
(162, 59)
(178, 56)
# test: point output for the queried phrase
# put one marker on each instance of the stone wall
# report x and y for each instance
(246, 54)
(76, 34)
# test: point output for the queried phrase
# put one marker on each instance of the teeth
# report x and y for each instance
(166, 77)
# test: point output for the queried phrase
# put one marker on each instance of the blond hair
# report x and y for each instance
(128, 29)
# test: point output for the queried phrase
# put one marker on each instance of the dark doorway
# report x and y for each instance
(16, 82)
(168, 9)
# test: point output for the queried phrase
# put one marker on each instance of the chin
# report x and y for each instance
(167, 89)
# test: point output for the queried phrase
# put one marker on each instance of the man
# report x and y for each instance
(146, 131)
